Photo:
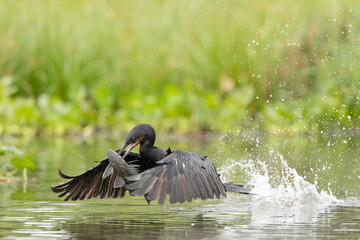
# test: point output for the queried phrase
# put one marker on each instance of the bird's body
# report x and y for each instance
(154, 173)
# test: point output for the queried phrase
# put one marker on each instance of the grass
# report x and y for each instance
(181, 66)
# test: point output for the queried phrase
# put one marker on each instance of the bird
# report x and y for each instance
(154, 173)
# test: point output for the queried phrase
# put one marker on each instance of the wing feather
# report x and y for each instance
(190, 178)
(199, 186)
(174, 190)
(181, 175)
(101, 180)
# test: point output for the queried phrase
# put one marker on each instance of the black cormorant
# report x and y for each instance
(154, 173)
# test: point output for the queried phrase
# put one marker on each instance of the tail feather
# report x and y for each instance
(238, 188)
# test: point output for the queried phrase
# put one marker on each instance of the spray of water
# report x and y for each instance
(276, 183)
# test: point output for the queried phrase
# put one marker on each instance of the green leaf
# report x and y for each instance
(21, 162)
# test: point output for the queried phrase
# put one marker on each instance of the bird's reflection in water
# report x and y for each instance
(197, 227)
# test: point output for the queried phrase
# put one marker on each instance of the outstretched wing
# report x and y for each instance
(94, 182)
(182, 175)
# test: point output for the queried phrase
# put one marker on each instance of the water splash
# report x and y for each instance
(276, 183)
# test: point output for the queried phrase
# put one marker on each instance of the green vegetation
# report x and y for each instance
(11, 161)
(79, 66)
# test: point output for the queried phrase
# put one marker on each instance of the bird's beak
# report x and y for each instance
(131, 146)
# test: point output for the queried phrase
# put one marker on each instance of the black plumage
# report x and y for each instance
(180, 174)
(91, 183)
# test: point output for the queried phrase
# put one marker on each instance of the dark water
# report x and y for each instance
(307, 187)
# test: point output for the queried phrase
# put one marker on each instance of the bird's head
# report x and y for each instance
(142, 133)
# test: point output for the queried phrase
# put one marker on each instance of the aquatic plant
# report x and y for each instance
(13, 160)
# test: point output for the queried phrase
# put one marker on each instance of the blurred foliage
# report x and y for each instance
(277, 66)
(12, 160)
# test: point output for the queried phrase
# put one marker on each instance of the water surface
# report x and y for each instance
(306, 187)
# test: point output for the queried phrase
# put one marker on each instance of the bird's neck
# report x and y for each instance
(151, 153)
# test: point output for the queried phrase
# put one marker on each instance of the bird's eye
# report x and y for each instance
(132, 138)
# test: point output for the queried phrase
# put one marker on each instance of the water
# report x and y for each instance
(303, 189)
